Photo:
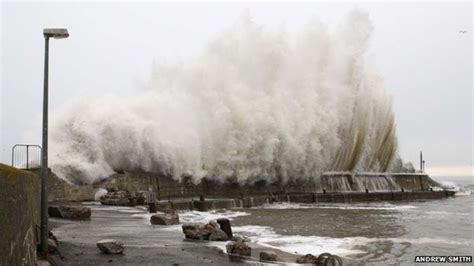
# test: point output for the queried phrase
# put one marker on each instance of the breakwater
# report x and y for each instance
(315, 198)
(332, 182)
(330, 187)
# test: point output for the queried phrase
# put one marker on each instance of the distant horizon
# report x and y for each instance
(450, 171)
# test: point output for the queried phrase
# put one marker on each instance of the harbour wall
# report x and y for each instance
(352, 187)
(329, 182)
(314, 198)
(19, 216)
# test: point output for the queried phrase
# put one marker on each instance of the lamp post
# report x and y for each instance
(421, 162)
(57, 34)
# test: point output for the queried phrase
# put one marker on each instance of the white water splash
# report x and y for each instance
(265, 236)
(200, 217)
(458, 188)
(99, 193)
(342, 206)
(257, 104)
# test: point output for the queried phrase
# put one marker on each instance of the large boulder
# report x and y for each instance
(238, 247)
(110, 246)
(118, 198)
(210, 231)
(164, 219)
(198, 231)
(268, 255)
(70, 212)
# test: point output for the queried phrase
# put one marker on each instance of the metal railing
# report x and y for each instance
(26, 156)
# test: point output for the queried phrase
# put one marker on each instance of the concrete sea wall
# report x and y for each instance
(19, 216)
(254, 201)
(331, 187)
(330, 182)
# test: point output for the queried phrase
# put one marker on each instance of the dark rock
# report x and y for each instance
(224, 224)
(198, 231)
(218, 234)
(164, 219)
(53, 211)
(268, 256)
(110, 246)
(118, 198)
(308, 258)
(238, 248)
(70, 212)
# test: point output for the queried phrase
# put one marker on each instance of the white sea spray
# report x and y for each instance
(256, 104)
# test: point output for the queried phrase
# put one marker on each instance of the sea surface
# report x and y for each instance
(376, 233)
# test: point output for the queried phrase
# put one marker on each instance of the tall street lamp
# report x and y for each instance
(57, 34)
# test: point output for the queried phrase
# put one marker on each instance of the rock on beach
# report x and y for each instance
(70, 212)
(238, 247)
(110, 246)
(164, 219)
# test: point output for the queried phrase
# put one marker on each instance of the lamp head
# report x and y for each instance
(56, 33)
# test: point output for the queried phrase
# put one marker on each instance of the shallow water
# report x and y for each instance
(383, 232)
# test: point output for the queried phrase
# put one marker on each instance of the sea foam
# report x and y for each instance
(256, 104)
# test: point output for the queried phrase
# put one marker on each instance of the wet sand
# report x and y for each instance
(84, 254)
(145, 244)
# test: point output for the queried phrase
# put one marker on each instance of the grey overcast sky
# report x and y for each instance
(423, 51)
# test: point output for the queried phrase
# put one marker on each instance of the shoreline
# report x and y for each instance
(145, 244)
(77, 245)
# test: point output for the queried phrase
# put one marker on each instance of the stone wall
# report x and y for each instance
(62, 191)
(19, 216)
